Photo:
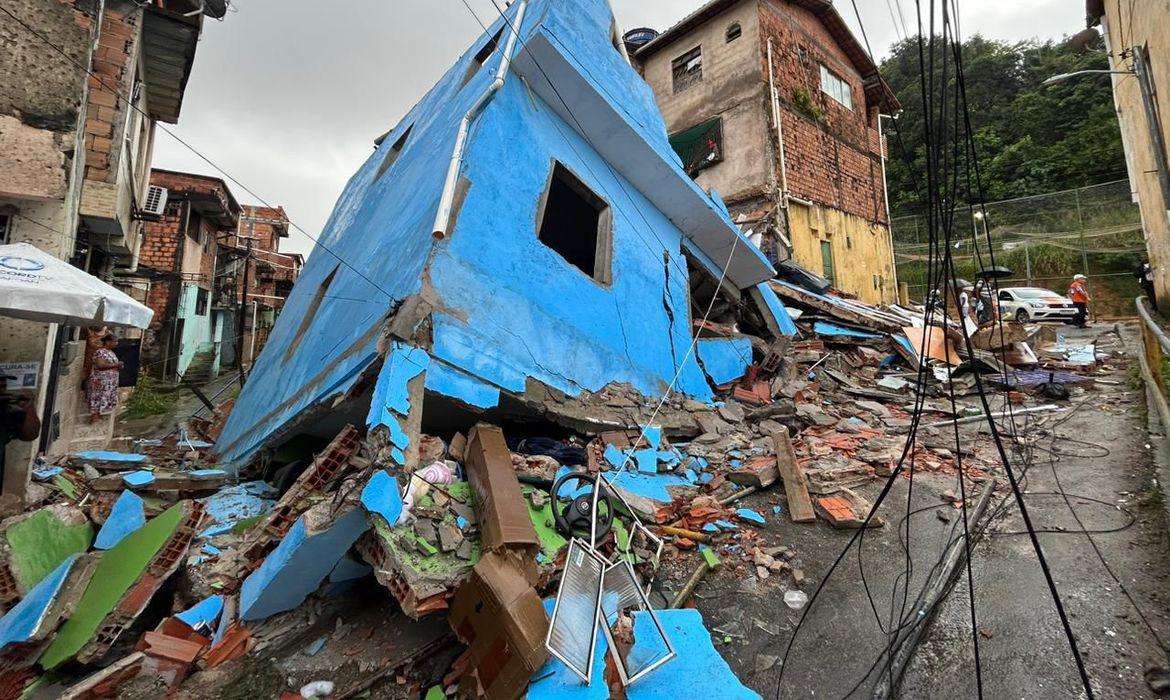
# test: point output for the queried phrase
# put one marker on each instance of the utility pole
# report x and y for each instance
(243, 312)
(1081, 225)
(1028, 261)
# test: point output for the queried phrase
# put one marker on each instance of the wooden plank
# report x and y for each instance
(800, 507)
(851, 312)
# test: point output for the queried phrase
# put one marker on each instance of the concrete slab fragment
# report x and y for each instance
(382, 497)
(127, 515)
(298, 565)
(724, 359)
(22, 622)
(117, 571)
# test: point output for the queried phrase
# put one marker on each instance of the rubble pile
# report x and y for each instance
(156, 570)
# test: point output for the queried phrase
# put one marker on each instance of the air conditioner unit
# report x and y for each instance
(156, 201)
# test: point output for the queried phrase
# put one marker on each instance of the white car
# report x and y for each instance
(1028, 304)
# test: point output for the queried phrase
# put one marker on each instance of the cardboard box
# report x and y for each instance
(499, 615)
(504, 522)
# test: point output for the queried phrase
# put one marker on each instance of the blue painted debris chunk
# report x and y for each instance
(750, 515)
(232, 504)
(403, 363)
(554, 680)
(109, 456)
(833, 330)
(724, 359)
(572, 488)
(23, 621)
(46, 473)
(204, 614)
(398, 436)
(776, 309)
(315, 646)
(206, 473)
(381, 496)
(777, 509)
(652, 486)
(127, 515)
(698, 671)
(298, 565)
(647, 461)
(461, 521)
(614, 456)
(725, 525)
(710, 527)
(138, 478)
(463, 387)
(653, 435)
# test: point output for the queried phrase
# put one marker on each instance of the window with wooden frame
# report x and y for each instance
(577, 224)
(835, 87)
(687, 69)
(734, 32)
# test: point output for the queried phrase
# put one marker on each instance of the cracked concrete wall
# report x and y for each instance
(42, 98)
(41, 94)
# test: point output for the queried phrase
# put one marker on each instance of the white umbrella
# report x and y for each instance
(39, 287)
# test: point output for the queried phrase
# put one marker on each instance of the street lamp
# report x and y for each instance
(1065, 76)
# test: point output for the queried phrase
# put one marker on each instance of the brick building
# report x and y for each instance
(177, 265)
(775, 105)
(252, 253)
(80, 95)
(192, 264)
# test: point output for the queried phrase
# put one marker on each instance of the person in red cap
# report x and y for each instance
(1078, 291)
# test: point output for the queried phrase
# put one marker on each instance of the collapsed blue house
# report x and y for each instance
(525, 231)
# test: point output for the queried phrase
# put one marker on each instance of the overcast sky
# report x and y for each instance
(288, 95)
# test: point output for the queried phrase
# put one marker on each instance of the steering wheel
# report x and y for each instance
(575, 517)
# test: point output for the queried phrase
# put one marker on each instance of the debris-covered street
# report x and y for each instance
(628, 364)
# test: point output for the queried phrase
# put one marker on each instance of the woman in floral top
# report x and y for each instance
(103, 379)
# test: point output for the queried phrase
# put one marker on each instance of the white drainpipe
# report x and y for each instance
(446, 202)
(777, 116)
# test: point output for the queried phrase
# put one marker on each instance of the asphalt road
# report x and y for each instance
(1023, 650)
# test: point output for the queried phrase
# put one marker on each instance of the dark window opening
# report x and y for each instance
(393, 153)
(734, 32)
(700, 146)
(482, 56)
(5, 223)
(201, 302)
(195, 227)
(577, 224)
(310, 314)
(687, 69)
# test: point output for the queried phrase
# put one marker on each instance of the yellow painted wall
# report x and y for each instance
(862, 256)
(1146, 23)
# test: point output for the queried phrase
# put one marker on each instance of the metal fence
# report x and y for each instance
(1044, 239)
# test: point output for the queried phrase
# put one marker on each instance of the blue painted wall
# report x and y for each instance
(513, 308)
(197, 329)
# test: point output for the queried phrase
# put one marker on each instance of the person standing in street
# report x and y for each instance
(103, 379)
(1145, 276)
(1078, 291)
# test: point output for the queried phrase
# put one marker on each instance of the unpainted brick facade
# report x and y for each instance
(826, 194)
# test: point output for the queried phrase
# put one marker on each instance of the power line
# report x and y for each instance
(120, 96)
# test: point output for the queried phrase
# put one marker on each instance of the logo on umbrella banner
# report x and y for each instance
(14, 262)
